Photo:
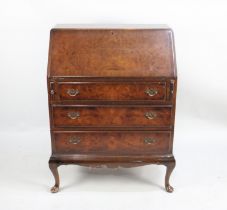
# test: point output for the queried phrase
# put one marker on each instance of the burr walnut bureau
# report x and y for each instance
(112, 93)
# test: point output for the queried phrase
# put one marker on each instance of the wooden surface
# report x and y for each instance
(102, 116)
(112, 143)
(111, 91)
(111, 53)
(112, 96)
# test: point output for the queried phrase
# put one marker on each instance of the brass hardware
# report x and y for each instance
(151, 92)
(150, 115)
(74, 140)
(52, 92)
(148, 140)
(73, 115)
(73, 92)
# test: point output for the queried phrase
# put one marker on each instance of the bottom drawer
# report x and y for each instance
(112, 142)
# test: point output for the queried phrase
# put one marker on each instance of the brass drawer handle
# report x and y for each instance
(150, 115)
(73, 115)
(149, 140)
(74, 140)
(73, 92)
(151, 92)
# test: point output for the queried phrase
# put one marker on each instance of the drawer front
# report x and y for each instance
(112, 142)
(112, 91)
(71, 116)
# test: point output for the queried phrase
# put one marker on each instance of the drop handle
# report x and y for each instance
(151, 92)
(150, 115)
(149, 140)
(73, 92)
(74, 140)
(73, 115)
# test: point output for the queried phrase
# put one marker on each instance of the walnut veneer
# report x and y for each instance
(112, 94)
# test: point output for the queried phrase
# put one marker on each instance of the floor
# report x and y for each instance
(199, 179)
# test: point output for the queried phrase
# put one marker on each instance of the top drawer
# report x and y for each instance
(111, 91)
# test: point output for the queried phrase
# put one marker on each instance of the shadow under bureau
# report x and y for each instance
(112, 94)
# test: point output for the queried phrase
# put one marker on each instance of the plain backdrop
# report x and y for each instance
(200, 144)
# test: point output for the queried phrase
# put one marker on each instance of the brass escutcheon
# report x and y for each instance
(148, 140)
(73, 115)
(74, 140)
(73, 92)
(150, 115)
(151, 92)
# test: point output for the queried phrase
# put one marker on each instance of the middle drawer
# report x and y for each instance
(107, 116)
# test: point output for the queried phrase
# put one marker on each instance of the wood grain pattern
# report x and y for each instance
(111, 53)
(100, 113)
(113, 143)
(111, 91)
(111, 116)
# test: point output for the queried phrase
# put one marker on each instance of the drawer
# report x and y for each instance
(104, 116)
(111, 91)
(112, 142)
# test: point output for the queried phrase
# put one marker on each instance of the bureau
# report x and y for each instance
(112, 97)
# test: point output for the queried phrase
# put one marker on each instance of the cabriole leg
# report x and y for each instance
(169, 168)
(54, 169)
